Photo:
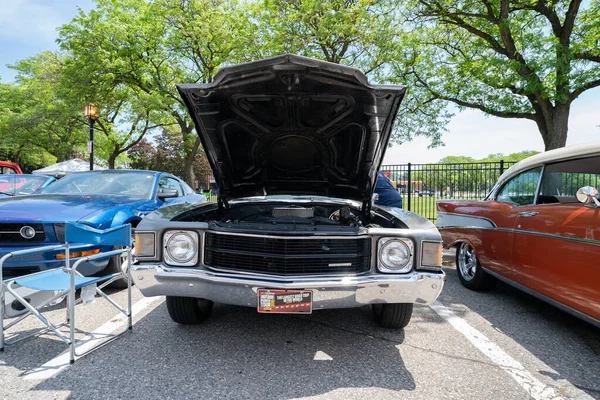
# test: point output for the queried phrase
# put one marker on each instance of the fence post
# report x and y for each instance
(501, 167)
(409, 186)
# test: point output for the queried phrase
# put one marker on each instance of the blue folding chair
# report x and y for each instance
(65, 281)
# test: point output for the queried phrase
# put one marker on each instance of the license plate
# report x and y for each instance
(284, 301)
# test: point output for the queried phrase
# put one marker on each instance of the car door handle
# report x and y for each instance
(527, 214)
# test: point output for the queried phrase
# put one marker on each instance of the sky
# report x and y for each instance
(28, 27)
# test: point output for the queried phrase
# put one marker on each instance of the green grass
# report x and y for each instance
(424, 206)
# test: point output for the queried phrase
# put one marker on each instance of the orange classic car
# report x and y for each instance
(533, 232)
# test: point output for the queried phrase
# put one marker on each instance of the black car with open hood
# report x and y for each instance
(295, 145)
(293, 125)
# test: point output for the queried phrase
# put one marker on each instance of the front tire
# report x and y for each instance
(393, 316)
(116, 265)
(188, 310)
(469, 270)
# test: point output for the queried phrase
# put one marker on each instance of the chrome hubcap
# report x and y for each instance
(467, 262)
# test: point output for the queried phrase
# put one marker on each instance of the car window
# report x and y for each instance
(187, 190)
(562, 180)
(168, 183)
(8, 170)
(132, 184)
(521, 189)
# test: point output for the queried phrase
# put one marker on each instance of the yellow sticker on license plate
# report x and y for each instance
(278, 301)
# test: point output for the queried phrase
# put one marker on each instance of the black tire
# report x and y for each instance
(115, 265)
(188, 310)
(392, 316)
(469, 271)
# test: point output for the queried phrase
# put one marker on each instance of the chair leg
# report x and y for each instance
(129, 316)
(71, 311)
(1, 315)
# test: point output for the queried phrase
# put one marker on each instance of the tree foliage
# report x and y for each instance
(527, 59)
(166, 153)
(38, 115)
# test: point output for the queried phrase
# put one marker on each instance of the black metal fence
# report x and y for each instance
(421, 185)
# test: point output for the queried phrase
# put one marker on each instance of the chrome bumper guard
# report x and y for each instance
(328, 292)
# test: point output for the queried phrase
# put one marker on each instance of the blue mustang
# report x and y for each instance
(23, 184)
(100, 199)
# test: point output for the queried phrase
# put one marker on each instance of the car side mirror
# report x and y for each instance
(374, 198)
(167, 194)
(588, 195)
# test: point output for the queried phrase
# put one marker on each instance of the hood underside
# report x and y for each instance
(293, 125)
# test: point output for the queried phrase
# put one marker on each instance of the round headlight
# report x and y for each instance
(27, 232)
(394, 255)
(181, 247)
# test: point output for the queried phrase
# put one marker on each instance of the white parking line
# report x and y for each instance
(59, 363)
(515, 369)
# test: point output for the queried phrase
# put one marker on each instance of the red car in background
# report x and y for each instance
(533, 232)
(9, 168)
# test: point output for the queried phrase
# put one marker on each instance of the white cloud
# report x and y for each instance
(473, 134)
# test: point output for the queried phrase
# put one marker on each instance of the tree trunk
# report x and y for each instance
(188, 173)
(555, 126)
(111, 160)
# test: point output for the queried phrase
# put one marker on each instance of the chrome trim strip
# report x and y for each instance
(16, 232)
(539, 185)
(474, 217)
(202, 246)
(290, 237)
(547, 299)
(233, 272)
(535, 233)
(557, 236)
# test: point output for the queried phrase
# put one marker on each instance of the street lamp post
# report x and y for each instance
(91, 113)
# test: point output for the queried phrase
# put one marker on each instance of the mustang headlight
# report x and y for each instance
(395, 255)
(181, 248)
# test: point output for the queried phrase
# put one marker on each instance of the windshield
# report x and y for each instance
(132, 184)
(15, 185)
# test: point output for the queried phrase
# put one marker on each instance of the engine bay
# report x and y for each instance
(263, 217)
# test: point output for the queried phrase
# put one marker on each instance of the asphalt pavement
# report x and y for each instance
(501, 344)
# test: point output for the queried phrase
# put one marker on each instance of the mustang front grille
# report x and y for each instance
(11, 234)
(287, 256)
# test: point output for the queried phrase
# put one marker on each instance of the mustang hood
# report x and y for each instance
(293, 125)
(54, 207)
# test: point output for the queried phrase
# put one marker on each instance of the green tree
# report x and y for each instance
(527, 59)
(38, 113)
(364, 34)
(167, 153)
(150, 47)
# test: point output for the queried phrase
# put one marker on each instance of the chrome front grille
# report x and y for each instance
(278, 255)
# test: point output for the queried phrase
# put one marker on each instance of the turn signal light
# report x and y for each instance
(76, 254)
(431, 254)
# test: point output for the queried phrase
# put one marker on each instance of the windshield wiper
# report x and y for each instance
(8, 194)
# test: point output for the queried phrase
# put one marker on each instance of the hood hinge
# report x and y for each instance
(222, 203)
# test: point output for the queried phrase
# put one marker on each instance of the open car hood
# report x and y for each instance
(293, 125)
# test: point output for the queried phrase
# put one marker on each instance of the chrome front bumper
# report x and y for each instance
(328, 292)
